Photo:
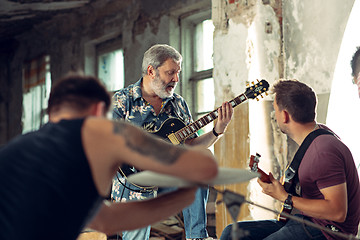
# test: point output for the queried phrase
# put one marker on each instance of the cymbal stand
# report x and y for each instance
(233, 202)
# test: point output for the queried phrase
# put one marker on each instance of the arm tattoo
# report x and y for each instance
(146, 144)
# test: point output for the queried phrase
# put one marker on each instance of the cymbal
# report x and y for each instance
(225, 176)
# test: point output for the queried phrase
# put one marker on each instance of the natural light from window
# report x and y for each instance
(111, 69)
(204, 45)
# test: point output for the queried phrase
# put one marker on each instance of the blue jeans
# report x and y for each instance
(194, 215)
(274, 230)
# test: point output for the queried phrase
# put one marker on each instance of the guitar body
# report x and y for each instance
(169, 127)
(285, 209)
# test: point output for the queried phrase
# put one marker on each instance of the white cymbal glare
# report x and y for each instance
(225, 176)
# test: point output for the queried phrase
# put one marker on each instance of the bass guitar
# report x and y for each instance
(254, 166)
(175, 131)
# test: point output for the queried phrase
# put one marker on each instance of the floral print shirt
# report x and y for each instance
(129, 105)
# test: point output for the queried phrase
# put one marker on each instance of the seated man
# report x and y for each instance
(54, 180)
(330, 191)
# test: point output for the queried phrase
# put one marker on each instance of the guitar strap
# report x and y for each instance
(291, 179)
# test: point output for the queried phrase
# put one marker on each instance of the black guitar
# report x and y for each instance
(175, 130)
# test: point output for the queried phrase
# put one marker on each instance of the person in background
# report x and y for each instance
(355, 67)
(148, 103)
(330, 191)
(55, 181)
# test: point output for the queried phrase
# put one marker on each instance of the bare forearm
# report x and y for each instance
(205, 140)
(320, 208)
(333, 207)
(117, 217)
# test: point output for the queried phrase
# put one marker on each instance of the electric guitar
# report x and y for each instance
(254, 166)
(175, 131)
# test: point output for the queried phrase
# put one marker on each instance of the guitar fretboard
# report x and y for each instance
(190, 129)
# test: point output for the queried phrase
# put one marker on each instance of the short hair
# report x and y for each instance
(355, 64)
(157, 55)
(297, 98)
(79, 92)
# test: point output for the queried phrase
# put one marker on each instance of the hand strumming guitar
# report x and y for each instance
(274, 189)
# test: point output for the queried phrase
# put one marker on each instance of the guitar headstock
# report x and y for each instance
(254, 161)
(254, 166)
(257, 89)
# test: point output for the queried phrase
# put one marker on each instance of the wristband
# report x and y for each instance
(215, 133)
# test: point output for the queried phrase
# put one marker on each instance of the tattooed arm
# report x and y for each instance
(109, 144)
(136, 214)
(146, 151)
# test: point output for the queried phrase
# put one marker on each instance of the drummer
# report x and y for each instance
(54, 180)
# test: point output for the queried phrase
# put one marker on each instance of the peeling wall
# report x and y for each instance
(313, 32)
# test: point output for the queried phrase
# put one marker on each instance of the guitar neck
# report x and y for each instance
(190, 129)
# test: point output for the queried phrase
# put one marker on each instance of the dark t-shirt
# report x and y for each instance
(328, 162)
(46, 186)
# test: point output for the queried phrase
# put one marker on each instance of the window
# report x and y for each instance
(36, 90)
(111, 69)
(110, 64)
(197, 49)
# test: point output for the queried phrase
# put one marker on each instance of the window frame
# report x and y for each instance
(189, 76)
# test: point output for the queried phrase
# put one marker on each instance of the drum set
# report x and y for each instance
(232, 200)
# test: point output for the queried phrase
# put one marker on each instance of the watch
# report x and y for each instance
(288, 200)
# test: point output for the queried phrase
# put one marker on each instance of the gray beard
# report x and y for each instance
(160, 89)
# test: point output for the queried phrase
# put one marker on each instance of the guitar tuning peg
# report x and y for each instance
(261, 96)
(252, 82)
(257, 99)
(257, 80)
(266, 93)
